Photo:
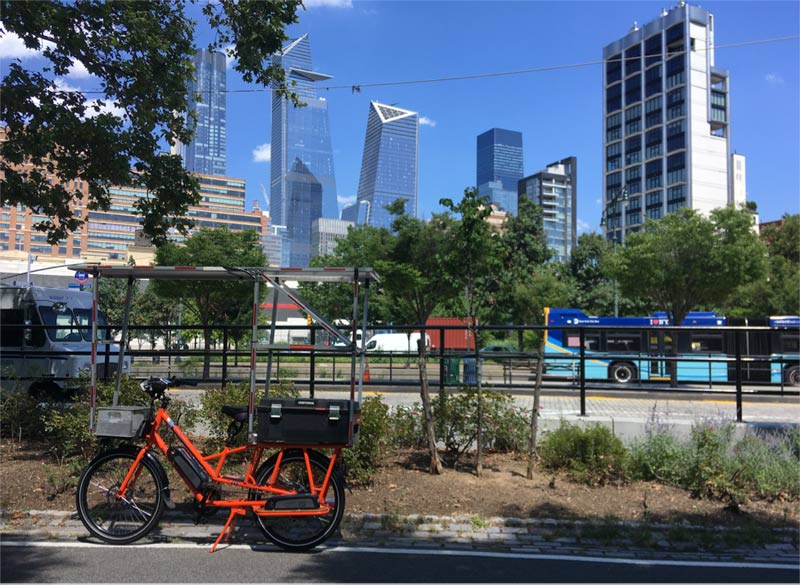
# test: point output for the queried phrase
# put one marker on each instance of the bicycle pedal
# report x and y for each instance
(292, 502)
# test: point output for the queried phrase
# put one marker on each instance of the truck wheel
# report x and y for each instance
(792, 376)
(622, 373)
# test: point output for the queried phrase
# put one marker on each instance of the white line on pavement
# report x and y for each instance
(413, 551)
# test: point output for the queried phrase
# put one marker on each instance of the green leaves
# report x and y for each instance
(141, 55)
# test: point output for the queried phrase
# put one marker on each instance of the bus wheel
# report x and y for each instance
(792, 376)
(622, 373)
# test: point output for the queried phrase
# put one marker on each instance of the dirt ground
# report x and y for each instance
(30, 479)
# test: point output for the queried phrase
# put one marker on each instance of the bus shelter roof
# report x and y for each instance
(328, 274)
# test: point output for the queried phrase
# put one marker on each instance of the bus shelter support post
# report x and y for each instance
(441, 361)
(312, 362)
(738, 376)
(125, 319)
(273, 319)
(253, 341)
(583, 370)
(93, 391)
(225, 355)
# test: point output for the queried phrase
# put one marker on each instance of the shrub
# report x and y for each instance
(592, 455)
(362, 459)
(766, 467)
(20, 416)
(406, 426)
(660, 457)
(708, 473)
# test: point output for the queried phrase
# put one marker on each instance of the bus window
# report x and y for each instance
(789, 342)
(624, 342)
(573, 339)
(706, 343)
(58, 317)
(591, 341)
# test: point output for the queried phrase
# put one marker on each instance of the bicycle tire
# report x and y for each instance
(297, 533)
(113, 520)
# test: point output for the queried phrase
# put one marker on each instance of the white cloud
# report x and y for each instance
(78, 71)
(105, 108)
(262, 153)
(12, 47)
(342, 200)
(583, 227)
(423, 121)
(330, 3)
(774, 79)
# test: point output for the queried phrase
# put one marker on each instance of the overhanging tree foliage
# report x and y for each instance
(141, 55)
(212, 302)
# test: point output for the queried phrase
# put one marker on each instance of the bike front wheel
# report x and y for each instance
(120, 518)
(297, 533)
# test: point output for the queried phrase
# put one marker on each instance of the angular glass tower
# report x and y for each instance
(300, 151)
(499, 167)
(205, 154)
(666, 122)
(389, 167)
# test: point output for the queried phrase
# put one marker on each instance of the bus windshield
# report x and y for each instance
(84, 318)
(61, 323)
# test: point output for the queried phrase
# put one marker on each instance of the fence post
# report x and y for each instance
(738, 376)
(224, 355)
(312, 365)
(441, 360)
(583, 370)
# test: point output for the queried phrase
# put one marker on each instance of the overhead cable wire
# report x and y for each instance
(357, 87)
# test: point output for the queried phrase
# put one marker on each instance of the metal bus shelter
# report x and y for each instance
(274, 277)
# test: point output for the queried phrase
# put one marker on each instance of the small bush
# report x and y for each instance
(592, 455)
(406, 426)
(20, 416)
(362, 459)
(766, 467)
(659, 457)
(708, 473)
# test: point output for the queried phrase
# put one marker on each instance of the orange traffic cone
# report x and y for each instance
(365, 377)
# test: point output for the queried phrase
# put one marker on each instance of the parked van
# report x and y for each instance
(48, 362)
(395, 342)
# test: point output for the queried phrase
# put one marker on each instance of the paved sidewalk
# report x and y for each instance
(533, 536)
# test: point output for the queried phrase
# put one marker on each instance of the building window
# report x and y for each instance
(654, 199)
(633, 120)
(613, 163)
(633, 62)
(633, 89)
(633, 149)
(675, 38)
(633, 173)
(614, 98)
(614, 69)
(676, 168)
(652, 50)
(614, 127)
(654, 213)
(675, 71)
(676, 136)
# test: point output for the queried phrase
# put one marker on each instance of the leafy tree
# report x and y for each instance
(154, 311)
(474, 266)
(212, 302)
(779, 292)
(141, 54)
(685, 261)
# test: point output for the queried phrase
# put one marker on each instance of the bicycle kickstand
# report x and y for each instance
(227, 530)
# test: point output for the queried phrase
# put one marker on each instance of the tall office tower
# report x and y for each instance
(300, 135)
(304, 207)
(326, 234)
(389, 165)
(499, 167)
(667, 116)
(205, 154)
(556, 190)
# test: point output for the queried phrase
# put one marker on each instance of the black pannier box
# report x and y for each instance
(308, 421)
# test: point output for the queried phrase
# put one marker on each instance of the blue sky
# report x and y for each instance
(558, 112)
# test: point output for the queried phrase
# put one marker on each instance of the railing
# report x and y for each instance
(316, 363)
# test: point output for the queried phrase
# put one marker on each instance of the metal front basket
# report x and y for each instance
(123, 422)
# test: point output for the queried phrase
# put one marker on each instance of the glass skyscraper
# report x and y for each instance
(499, 167)
(555, 189)
(205, 154)
(389, 167)
(301, 169)
(666, 121)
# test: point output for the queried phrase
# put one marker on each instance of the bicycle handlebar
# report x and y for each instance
(156, 386)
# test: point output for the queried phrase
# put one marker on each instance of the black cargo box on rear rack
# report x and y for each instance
(308, 421)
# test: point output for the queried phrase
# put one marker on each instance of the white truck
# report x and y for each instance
(45, 341)
(395, 342)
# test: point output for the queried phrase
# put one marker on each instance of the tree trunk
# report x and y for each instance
(479, 434)
(427, 409)
(537, 391)
(207, 352)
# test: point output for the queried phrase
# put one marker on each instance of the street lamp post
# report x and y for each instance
(621, 197)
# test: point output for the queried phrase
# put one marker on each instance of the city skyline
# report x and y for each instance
(558, 110)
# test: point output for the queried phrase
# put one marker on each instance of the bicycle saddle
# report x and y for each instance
(237, 413)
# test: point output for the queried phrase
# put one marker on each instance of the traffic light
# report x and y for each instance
(308, 320)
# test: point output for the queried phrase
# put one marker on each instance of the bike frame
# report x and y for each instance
(214, 463)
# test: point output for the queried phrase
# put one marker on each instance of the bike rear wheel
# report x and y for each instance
(114, 519)
(297, 533)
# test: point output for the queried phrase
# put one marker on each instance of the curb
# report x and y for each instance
(604, 538)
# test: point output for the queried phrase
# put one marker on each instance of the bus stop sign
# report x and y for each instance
(82, 277)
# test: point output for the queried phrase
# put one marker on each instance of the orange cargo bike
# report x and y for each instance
(296, 494)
